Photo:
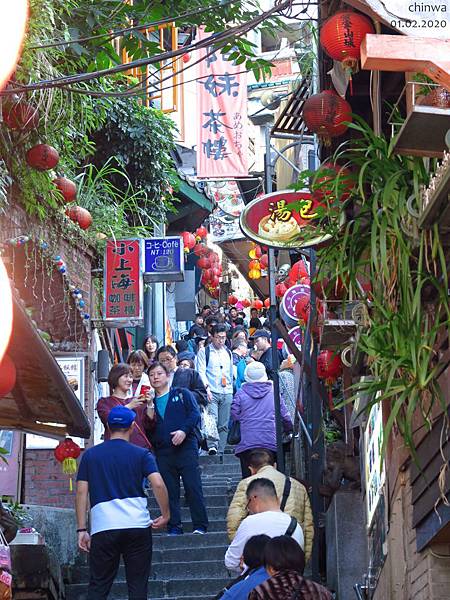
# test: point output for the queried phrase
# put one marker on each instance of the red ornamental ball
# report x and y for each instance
(79, 215)
(325, 185)
(188, 240)
(201, 232)
(42, 157)
(302, 308)
(232, 300)
(267, 302)
(214, 281)
(67, 188)
(246, 303)
(20, 116)
(264, 261)
(280, 290)
(342, 34)
(203, 263)
(8, 375)
(326, 114)
(258, 304)
(329, 365)
(200, 249)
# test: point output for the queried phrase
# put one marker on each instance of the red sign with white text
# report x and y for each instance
(123, 280)
(222, 133)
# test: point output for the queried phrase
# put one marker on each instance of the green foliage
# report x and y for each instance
(408, 303)
(2, 453)
(138, 141)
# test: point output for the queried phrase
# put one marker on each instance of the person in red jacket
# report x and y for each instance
(120, 380)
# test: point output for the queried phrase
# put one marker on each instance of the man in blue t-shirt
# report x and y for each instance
(111, 474)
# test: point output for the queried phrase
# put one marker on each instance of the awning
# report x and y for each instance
(191, 210)
(42, 401)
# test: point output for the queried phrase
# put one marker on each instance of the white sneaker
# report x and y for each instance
(212, 451)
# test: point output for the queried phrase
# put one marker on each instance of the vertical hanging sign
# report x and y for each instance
(123, 291)
(222, 146)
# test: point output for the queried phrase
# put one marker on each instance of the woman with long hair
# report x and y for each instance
(150, 346)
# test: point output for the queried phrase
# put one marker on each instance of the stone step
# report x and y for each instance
(210, 501)
(161, 541)
(181, 588)
(227, 459)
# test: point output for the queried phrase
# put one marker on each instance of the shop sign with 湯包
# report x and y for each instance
(163, 259)
(279, 219)
(123, 285)
(222, 130)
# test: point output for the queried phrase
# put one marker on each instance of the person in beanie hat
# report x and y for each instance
(253, 406)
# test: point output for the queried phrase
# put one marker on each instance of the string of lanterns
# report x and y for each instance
(208, 260)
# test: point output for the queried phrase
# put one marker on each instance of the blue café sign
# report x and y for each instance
(163, 259)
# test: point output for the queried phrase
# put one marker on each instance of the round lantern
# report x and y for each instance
(214, 257)
(267, 302)
(324, 184)
(186, 57)
(8, 375)
(329, 368)
(67, 188)
(200, 249)
(214, 281)
(232, 300)
(280, 290)
(67, 452)
(303, 308)
(188, 240)
(264, 261)
(42, 157)
(203, 263)
(298, 272)
(246, 303)
(254, 264)
(20, 116)
(327, 114)
(254, 274)
(341, 36)
(255, 252)
(257, 304)
(201, 232)
(79, 215)
(6, 318)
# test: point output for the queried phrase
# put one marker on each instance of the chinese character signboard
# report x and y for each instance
(222, 132)
(270, 220)
(374, 466)
(163, 259)
(123, 282)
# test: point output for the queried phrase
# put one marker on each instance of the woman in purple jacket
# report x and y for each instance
(253, 406)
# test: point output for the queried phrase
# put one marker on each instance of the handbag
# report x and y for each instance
(234, 433)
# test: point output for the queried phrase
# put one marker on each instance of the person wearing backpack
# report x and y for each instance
(215, 365)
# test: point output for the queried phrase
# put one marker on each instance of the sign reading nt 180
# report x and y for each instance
(163, 259)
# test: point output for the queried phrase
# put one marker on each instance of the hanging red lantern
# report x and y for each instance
(303, 308)
(264, 261)
(203, 263)
(214, 257)
(254, 274)
(267, 302)
(189, 240)
(232, 300)
(67, 452)
(42, 157)
(200, 249)
(246, 303)
(341, 36)
(329, 368)
(326, 186)
(254, 264)
(327, 114)
(67, 188)
(214, 293)
(280, 290)
(201, 232)
(20, 116)
(298, 272)
(214, 281)
(255, 252)
(208, 274)
(8, 375)
(186, 57)
(79, 215)
(257, 304)
(216, 271)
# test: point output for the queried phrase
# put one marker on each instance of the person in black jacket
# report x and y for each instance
(263, 344)
(185, 378)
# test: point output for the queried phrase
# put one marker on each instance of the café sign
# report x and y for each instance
(279, 219)
(163, 259)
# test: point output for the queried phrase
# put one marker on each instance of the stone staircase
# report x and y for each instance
(185, 567)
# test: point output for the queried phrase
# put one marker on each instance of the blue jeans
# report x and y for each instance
(177, 462)
(220, 407)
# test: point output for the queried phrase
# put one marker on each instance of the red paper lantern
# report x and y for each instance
(255, 252)
(303, 308)
(188, 240)
(201, 232)
(20, 116)
(8, 375)
(326, 114)
(214, 281)
(203, 263)
(341, 36)
(208, 274)
(324, 185)
(216, 271)
(42, 157)
(214, 293)
(79, 215)
(257, 304)
(298, 272)
(186, 57)
(254, 264)
(200, 249)
(264, 261)
(280, 290)
(214, 257)
(67, 452)
(232, 300)
(267, 302)
(67, 188)
(329, 366)
(246, 303)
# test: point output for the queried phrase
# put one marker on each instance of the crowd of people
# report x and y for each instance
(153, 439)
